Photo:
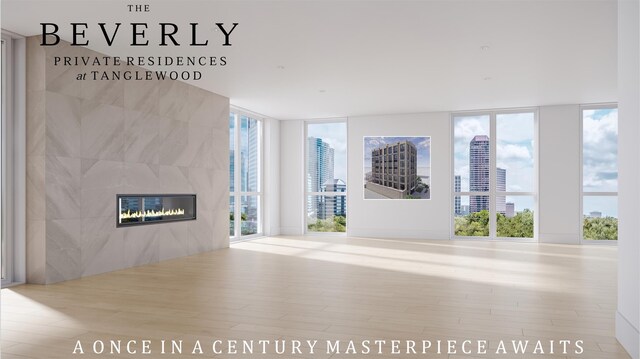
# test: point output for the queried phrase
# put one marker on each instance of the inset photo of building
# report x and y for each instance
(397, 167)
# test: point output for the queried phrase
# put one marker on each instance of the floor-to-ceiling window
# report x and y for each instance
(494, 175)
(245, 175)
(5, 245)
(7, 160)
(326, 176)
(599, 172)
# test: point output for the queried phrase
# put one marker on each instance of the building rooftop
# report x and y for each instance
(334, 181)
(480, 138)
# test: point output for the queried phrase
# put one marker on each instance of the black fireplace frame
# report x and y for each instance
(146, 195)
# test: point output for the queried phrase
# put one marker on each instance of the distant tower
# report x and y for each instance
(501, 186)
(510, 209)
(253, 132)
(320, 158)
(479, 172)
(457, 187)
(334, 205)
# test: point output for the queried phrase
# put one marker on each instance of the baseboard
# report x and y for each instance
(291, 231)
(628, 336)
(396, 233)
(559, 238)
(275, 231)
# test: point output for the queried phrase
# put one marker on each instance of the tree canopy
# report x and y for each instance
(335, 224)
(605, 228)
(477, 225)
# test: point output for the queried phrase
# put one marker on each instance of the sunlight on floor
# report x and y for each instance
(480, 262)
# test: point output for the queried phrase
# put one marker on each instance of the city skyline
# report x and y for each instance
(320, 172)
(514, 155)
(479, 176)
(335, 135)
(479, 172)
(514, 148)
(326, 156)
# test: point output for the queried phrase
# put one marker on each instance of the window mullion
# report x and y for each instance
(237, 175)
(492, 176)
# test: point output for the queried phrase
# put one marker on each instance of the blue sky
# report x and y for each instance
(514, 152)
(335, 134)
(423, 145)
(600, 150)
(514, 149)
(600, 157)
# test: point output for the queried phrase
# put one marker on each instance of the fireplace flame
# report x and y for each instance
(151, 213)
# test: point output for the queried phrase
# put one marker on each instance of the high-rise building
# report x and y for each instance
(501, 186)
(510, 209)
(243, 171)
(464, 209)
(232, 157)
(253, 132)
(249, 168)
(395, 166)
(457, 187)
(479, 181)
(479, 154)
(595, 214)
(333, 205)
(232, 170)
(320, 158)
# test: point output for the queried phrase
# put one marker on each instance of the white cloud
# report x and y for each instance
(510, 152)
(467, 127)
(600, 147)
(426, 143)
(601, 134)
(514, 149)
(515, 127)
(375, 141)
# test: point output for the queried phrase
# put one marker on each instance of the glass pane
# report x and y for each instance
(232, 213)
(600, 150)
(249, 215)
(514, 152)
(327, 213)
(250, 154)
(471, 152)
(468, 222)
(232, 141)
(600, 217)
(326, 155)
(514, 216)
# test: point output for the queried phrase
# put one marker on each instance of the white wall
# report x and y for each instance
(271, 186)
(559, 181)
(559, 170)
(292, 177)
(628, 312)
(401, 218)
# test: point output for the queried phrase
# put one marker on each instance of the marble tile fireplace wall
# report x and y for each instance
(88, 141)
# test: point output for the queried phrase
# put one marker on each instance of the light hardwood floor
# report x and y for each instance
(330, 288)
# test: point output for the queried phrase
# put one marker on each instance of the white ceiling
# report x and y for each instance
(349, 58)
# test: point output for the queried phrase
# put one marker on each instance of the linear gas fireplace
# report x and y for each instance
(137, 209)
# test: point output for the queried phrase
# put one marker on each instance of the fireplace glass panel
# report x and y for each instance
(149, 209)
